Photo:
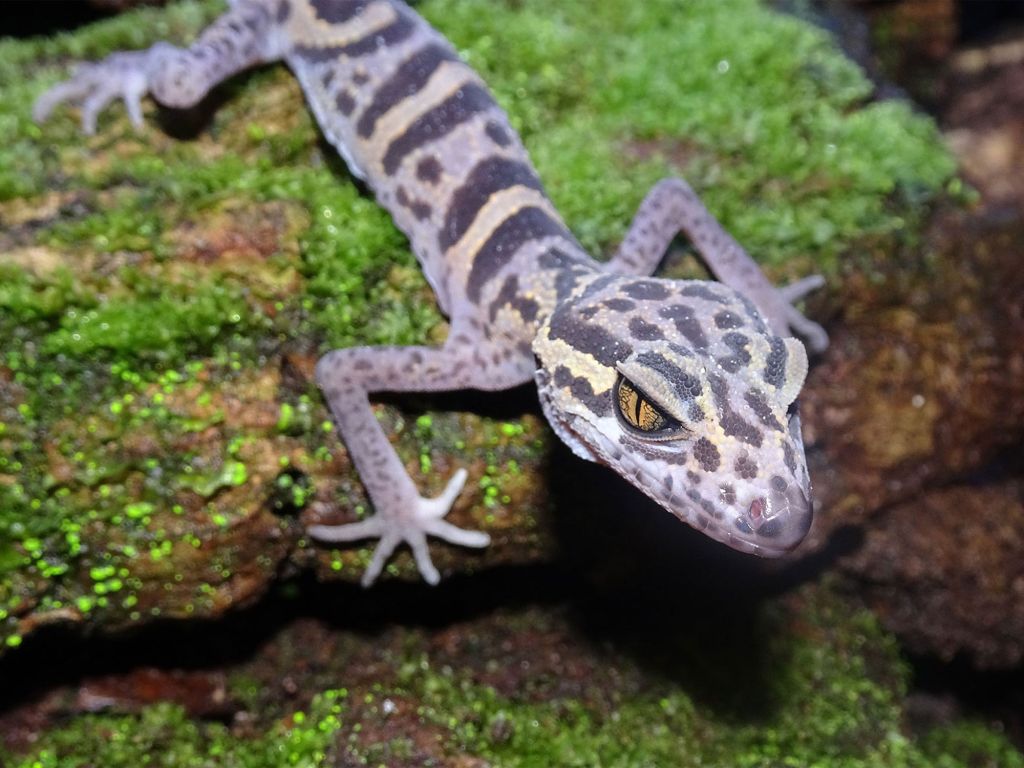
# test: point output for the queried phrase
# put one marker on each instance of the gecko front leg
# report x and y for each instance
(672, 207)
(347, 376)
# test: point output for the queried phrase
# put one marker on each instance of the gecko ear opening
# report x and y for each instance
(796, 370)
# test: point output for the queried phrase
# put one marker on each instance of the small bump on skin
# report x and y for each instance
(686, 323)
(429, 170)
(788, 457)
(759, 405)
(707, 455)
(642, 330)
(645, 290)
(497, 134)
(745, 467)
(619, 305)
(728, 320)
(703, 292)
(731, 422)
(775, 365)
(728, 494)
(740, 357)
(345, 103)
(582, 390)
(418, 208)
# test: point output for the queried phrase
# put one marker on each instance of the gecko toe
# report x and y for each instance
(800, 288)
(440, 505)
(815, 336)
(421, 554)
(385, 547)
(364, 529)
(442, 529)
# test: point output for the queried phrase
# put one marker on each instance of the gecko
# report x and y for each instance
(687, 389)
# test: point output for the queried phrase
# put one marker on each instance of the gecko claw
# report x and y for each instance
(426, 518)
(93, 86)
(800, 288)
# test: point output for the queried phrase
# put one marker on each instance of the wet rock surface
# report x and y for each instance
(955, 584)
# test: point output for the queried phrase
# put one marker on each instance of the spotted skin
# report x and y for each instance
(711, 367)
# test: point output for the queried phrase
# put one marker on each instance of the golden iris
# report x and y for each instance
(640, 413)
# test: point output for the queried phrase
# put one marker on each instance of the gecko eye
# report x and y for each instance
(641, 415)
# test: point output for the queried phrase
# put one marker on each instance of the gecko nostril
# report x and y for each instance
(757, 510)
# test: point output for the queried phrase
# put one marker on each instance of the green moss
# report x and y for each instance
(835, 698)
(836, 692)
(163, 735)
(758, 110)
(167, 325)
(971, 744)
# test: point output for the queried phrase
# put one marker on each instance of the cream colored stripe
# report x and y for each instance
(446, 80)
(499, 207)
(581, 364)
(314, 32)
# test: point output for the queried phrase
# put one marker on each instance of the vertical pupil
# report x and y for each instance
(640, 412)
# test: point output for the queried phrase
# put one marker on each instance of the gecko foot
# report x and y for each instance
(93, 86)
(812, 332)
(426, 518)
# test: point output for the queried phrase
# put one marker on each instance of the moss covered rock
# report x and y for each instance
(804, 681)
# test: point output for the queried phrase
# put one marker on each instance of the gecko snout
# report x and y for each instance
(779, 520)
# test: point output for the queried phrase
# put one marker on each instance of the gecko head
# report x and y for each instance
(683, 389)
